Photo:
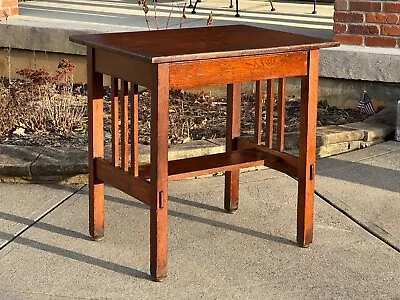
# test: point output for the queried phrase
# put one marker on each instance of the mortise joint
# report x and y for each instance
(311, 172)
(161, 199)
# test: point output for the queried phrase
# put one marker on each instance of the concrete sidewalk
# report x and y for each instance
(46, 252)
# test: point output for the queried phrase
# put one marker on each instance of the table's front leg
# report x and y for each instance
(231, 201)
(95, 146)
(159, 173)
(306, 172)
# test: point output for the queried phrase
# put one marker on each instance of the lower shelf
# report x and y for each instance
(209, 164)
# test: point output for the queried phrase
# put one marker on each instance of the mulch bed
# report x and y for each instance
(192, 117)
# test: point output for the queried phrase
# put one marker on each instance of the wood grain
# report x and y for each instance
(280, 161)
(133, 186)
(307, 151)
(161, 46)
(238, 69)
(159, 173)
(95, 147)
(209, 164)
(233, 110)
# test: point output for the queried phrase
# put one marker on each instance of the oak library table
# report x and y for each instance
(195, 57)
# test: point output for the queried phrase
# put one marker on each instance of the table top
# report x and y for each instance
(175, 45)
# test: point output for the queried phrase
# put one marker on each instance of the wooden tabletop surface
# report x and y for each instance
(176, 45)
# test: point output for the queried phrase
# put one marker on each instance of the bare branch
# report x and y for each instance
(170, 13)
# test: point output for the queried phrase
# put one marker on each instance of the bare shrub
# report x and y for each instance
(41, 102)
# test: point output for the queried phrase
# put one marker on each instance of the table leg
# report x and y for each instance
(231, 201)
(306, 174)
(95, 147)
(159, 174)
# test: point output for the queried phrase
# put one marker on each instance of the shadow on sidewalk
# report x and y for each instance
(215, 223)
(364, 174)
(77, 256)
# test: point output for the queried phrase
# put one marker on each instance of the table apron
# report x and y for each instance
(237, 69)
(123, 67)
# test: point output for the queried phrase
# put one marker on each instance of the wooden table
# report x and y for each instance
(186, 58)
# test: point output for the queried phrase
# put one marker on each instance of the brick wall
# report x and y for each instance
(8, 8)
(374, 23)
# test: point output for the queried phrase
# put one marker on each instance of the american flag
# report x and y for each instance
(365, 105)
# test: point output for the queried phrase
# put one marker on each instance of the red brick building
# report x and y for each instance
(8, 7)
(374, 23)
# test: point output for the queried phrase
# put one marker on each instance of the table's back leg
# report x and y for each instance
(306, 172)
(95, 147)
(159, 173)
(231, 201)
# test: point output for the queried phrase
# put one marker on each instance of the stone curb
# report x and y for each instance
(32, 164)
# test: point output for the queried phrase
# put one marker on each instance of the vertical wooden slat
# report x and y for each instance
(306, 172)
(159, 172)
(114, 122)
(258, 113)
(95, 147)
(269, 110)
(231, 200)
(281, 105)
(134, 130)
(124, 126)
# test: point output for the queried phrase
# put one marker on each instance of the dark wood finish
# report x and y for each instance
(137, 72)
(200, 73)
(233, 99)
(159, 173)
(133, 186)
(135, 130)
(307, 151)
(183, 58)
(124, 126)
(95, 147)
(258, 113)
(201, 43)
(209, 164)
(269, 111)
(114, 122)
(281, 107)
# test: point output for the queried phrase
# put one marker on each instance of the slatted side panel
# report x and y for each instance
(269, 111)
(124, 125)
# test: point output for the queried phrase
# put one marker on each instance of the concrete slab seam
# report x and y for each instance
(387, 239)
(38, 219)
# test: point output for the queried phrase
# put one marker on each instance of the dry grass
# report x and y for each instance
(41, 102)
